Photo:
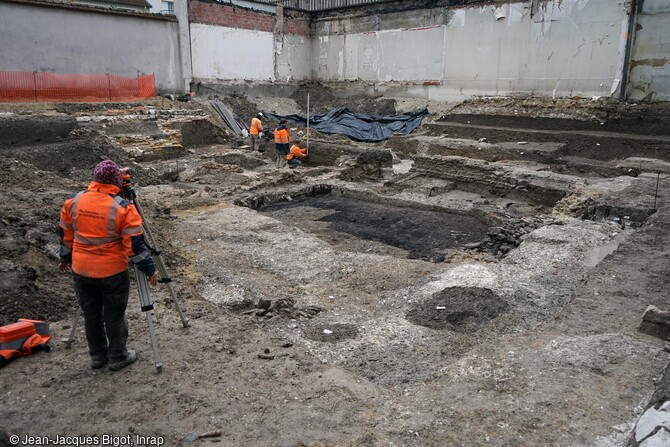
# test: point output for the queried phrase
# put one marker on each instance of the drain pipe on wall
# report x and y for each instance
(632, 19)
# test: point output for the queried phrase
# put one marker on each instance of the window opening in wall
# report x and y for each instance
(168, 8)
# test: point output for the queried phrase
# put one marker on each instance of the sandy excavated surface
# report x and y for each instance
(308, 329)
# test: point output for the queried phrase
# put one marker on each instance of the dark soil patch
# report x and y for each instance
(74, 158)
(424, 234)
(22, 131)
(576, 145)
(29, 293)
(30, 286)
(200, 133)
(635, 118)
(322, 99)
(461, 309)
(79, 107)
(331, 333)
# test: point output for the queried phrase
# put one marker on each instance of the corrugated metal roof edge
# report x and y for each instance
(94, 9)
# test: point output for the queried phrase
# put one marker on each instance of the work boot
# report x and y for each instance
(98, 362)
(129, 360)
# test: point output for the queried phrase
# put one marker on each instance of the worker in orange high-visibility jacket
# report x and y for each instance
(255, 131)
(281, 143)
(296, 155)
(99, 230)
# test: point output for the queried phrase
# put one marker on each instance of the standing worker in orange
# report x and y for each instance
(255, 131)
(281, 143)
(295, 155)
(99, 230)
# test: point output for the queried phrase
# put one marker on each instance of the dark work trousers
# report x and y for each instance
(282, 150)
(104, 302)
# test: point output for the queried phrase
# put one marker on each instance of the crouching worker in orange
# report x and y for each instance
(296, 155)
(99, 231)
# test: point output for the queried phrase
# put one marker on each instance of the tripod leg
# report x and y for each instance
(154, 343)
(147, 306)
(162, 270)
(67, 342)
(165, 278)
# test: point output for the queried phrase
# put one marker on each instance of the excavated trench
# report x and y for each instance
(345, 222)
(401, 223)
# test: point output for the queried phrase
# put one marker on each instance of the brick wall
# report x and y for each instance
(209, 13)
(297, 23)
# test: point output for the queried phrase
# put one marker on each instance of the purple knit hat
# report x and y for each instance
(108, 172)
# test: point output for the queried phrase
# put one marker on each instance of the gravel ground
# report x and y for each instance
(307, 330)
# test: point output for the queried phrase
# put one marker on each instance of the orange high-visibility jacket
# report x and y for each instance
(97, 227)
(281, 135)
(256, 126)
(296, 152)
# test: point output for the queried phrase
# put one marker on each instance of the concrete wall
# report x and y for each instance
(71, 40)
(549, 48)
(650, 59)
(243, 41)
(228, 53)
(394, 55)
(293, 55)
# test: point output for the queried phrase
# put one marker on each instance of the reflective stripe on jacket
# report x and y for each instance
(97, 227)
(296, 152)
(256, 126)
(33, 343)
(281, 135)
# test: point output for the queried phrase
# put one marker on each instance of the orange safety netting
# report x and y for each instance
(18, 86)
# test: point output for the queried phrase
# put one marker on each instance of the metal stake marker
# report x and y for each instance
(307, 152)
(658, 178)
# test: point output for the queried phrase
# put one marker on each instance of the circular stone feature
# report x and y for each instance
(460, 309)
(331, 333)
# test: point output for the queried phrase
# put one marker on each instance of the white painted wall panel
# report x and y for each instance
(329, 57)
(395, 55)
(568, 47)
(294, 58)
(412, 55)
(228, 53)
(650, 60)
(571, 47)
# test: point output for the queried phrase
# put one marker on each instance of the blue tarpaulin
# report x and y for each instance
(358, 126)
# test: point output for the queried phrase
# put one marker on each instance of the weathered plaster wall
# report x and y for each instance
(406, 55)
(650, 59)
(231, 53)
(551, 48)
(568, 47)
(70, 40)
(242, 41)
(293, 55)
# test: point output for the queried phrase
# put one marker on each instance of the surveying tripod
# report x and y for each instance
(146, 302)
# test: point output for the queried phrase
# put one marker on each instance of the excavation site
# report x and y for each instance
(466, 244)
(465, 284)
